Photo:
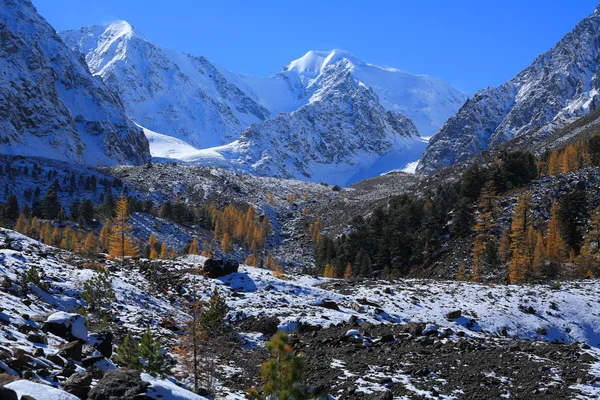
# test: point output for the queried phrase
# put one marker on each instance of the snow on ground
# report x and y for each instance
(568, 314)
(537, 312)
(39, 391)
(165, 389)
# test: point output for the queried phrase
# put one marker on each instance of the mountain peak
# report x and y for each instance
(314, 61)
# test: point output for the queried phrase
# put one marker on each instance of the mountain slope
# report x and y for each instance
(427, 101)
(199, 113)
(561, 84)
(166, 90)
(343, 135)
(50, 104)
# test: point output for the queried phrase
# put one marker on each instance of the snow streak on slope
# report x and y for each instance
(50, 104)
(561, 84)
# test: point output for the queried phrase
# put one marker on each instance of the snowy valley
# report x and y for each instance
(170, 229)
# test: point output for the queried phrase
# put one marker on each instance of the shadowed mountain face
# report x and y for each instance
(51, 105)
(561, 84)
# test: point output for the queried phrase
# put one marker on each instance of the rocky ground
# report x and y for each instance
(362, 339)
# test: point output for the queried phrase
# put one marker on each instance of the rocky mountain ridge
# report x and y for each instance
(203, 114)
(560, 85)
(50, 103)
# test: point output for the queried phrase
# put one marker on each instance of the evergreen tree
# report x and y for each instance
(128, 353)
(86, 210)
(462, 219)
(153, 358)
(283, 373)
(26, 211)
(572, 214)
(213, 316)
(11, 209)
(51, 205)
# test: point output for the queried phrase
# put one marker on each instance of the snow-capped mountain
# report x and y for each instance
(165, 90)
(197, 112)
(50, 104)
(342, 135)
(427, 101)
(561, 84)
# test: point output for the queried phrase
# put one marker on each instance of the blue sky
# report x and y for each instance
(469, 43)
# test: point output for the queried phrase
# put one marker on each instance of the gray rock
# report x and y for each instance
(119, 384)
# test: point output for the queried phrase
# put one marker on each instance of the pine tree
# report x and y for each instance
(51, 205)
(153, 254)
(121, 244)
(212, 318)
(11, 209)
(128, 353)
(154, 359)
(283, 373)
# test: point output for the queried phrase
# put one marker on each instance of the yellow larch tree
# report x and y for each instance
(570, 160)
(555, 246)
(520, 233)
(121, 244)
(348, 271)
(554, 163)
(90, 246)
(22, 225)
(105, 234)
(194, 247)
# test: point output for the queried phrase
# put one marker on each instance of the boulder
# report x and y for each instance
(72, 350)
(231, 267)
(265, 325)
(102, 342)
(78, 384)
(37, 338)
(8, 394)
(330, 305)
(453, 315)
(119, 384)
(67, 326)
(89, 362)
(414, 328)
